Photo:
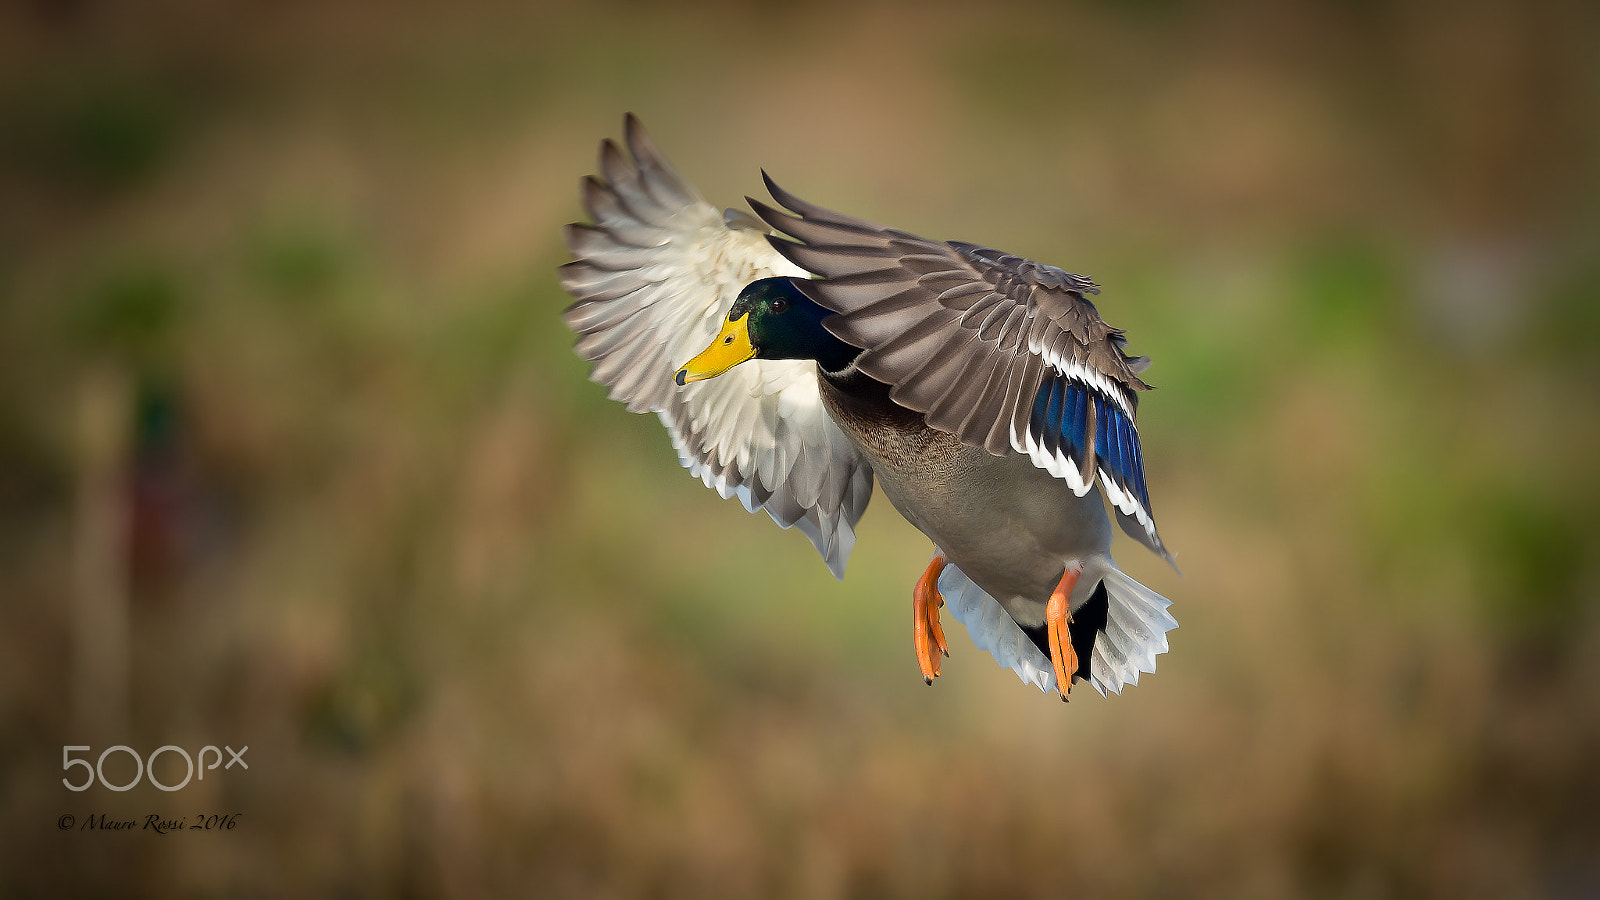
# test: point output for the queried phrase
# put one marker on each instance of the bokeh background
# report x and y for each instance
(294, 454)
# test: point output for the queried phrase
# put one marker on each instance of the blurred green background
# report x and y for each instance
(294, 454)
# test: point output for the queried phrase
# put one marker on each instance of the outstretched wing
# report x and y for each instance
(654, 276)
(1003, 352)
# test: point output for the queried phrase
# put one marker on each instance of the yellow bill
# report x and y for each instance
(731, 347)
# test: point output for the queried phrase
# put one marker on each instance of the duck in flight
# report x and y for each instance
(798, 355)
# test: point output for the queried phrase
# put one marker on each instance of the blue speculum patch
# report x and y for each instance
(1060, 422)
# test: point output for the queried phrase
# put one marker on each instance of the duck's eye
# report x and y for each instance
(779, 305)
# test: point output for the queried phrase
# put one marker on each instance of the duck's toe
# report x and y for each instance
(1058, 615)
(927, 631)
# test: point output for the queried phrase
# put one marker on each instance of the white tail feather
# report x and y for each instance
(1136, 629)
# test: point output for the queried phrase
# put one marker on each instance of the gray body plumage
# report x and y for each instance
(1012, 527)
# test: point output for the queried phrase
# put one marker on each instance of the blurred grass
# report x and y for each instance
(484, 637)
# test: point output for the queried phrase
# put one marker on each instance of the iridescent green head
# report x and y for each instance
(771, 319)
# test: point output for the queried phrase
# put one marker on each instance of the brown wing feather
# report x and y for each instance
(923, 310)
(969, 336)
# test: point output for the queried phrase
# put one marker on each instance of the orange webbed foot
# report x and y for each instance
(1057, 616)
(927, 632)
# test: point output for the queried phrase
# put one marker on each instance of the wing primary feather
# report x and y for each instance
(820, 231)
(886, 361)
(907, 350)
(773, 217)
(874, 324)
(608, 211)
(924, 264)
(831, 258)
(848, 298)
(623, 179)
(663, 182)
(790, 201)
(868, 278)
(588, 316)
(614, 165)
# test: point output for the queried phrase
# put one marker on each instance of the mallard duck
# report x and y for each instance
(798, 354)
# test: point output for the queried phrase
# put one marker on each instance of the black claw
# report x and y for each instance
(928, 682)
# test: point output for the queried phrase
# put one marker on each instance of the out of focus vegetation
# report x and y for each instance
(294, 454)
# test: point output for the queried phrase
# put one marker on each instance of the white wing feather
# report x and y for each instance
(654, 277)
